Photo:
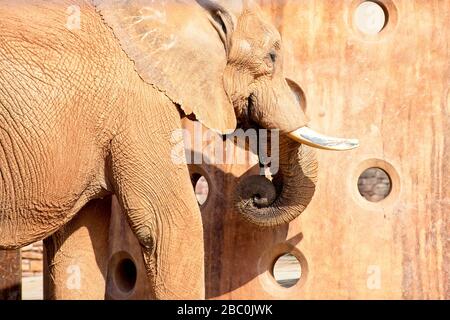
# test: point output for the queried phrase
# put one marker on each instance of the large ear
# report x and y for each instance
(179, 46)
(224, 15)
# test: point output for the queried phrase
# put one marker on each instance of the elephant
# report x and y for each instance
(90, 92)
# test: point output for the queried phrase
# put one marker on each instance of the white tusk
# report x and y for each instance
(313, 139)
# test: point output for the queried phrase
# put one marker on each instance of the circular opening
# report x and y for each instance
(201, 188)
(125, 275)
(287, 270)
(374, 184)
(370, 17)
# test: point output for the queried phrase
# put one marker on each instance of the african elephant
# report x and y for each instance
(87, 110)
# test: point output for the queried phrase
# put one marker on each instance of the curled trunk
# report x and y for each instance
(272, 203)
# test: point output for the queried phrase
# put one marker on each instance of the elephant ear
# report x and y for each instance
(180, 47)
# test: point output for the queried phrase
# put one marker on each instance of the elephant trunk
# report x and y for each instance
(272, 203)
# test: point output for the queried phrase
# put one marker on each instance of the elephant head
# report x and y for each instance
(221, 63)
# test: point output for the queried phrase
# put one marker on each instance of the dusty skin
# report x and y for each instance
(88, 111)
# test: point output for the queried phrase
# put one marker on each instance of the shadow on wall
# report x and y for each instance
(221, 223)
(373, 184)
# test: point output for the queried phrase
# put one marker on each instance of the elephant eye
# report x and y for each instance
(273, 56)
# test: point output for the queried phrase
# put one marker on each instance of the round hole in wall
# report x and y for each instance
(201, 188)
(125, 275)
(374, 184)
(370, 17)
(272, 269)
(287, 270)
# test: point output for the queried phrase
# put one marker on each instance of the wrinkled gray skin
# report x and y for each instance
(84, 115)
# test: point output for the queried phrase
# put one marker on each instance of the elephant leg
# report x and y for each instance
(157, 197)
(75, 259)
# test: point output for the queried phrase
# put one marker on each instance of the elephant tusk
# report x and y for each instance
(311, 138)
